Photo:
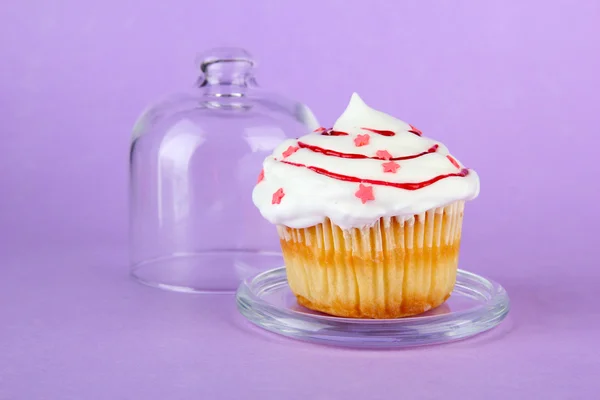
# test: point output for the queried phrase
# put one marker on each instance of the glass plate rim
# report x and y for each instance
(494, 305)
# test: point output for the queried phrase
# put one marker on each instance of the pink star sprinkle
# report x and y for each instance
(415, 130)
(453, 161)
(383, 154)
(277, 196)
(290, 150)
(261, 176)
(361, 140)
(364, 193)
(390, 167)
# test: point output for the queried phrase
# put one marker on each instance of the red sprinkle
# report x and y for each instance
(261, 176)
(453, 161)
(383, 154)
(361, 140)
(320, 129)
(290, 150)
(415, 131)
(364, 193)
(390, 167)
(277, 196)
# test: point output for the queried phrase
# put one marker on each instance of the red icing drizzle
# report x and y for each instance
(400, 185)
(415, 130)
(380, 132)
(453, 161)
(331, 132)
(380, 155)
(329, 152)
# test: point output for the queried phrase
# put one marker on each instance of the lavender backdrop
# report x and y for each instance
(510, 86)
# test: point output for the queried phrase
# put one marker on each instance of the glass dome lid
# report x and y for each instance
(194, 160)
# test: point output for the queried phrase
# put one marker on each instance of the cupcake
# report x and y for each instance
(369, 214)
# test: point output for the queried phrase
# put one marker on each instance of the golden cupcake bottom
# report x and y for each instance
(396, 268)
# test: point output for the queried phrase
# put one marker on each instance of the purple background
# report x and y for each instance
(510, 86)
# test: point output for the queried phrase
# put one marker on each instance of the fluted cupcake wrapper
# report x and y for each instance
(394, 268)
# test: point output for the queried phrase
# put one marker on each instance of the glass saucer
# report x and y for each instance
(476, 305)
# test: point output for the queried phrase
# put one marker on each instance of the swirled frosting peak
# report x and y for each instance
(369, 165)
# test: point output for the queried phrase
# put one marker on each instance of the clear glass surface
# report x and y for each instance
(476, 305)
(194, 160)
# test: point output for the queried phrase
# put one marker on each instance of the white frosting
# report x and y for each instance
(310, 197)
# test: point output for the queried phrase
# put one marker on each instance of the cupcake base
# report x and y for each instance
(395, 268)
(411, 309)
